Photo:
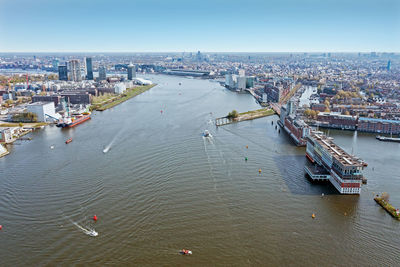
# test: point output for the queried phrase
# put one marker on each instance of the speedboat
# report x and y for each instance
(185, 252)
(206, 133)
(93, 233)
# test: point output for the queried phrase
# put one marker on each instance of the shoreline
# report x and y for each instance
(114, 101)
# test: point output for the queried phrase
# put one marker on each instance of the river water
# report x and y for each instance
(162, 187)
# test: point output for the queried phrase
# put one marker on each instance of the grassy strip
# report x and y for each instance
(122, 98)
(261, 112)
(29, 124)
(389, 208)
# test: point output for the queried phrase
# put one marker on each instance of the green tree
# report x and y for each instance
(233, 114)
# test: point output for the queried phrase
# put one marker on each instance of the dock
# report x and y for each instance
(223, 121)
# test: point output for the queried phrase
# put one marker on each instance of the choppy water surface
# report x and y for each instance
(157, 186)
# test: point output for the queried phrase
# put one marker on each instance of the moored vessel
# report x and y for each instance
(388, 139)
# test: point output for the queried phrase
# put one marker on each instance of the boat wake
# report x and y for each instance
(108, 147)
(87, 231)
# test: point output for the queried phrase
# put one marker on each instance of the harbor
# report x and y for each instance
(165, 181)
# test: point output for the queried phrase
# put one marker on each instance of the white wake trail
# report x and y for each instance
(90, 232)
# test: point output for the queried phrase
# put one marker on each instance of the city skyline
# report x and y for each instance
(210, 26)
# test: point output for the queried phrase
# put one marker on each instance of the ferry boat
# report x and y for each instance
(388, 139)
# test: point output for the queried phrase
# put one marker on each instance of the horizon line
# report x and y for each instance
(225, 52)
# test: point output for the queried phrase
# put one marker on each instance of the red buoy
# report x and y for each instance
(95, 218)
(1, 227)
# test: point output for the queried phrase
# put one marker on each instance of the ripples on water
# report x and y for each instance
(162, 187)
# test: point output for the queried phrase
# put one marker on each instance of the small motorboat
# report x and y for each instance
(68, 141)
(206, 133)
(93, 233)
(185, 252)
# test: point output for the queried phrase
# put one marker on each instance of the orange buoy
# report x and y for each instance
(313, 216)
(247, 146)
(95, 218)
(259, 171)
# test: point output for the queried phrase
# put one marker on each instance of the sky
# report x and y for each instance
(205, 25)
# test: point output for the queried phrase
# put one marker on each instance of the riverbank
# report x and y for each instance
(244, 116)
(116, 100)
(388, 207)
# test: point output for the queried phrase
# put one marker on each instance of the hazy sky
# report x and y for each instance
(206, 25)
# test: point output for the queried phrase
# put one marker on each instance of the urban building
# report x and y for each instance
(241, 83)
(102, 73)
(6, 135)
(250, 81)
(131, 71)
(47, 98)
(229, 81)
(74, 70)
(119, 88)
(45, 111)
(373, 125)
(89, 68)
(55, 64)
(343, 171)
(274, 93)
(264, 98)
(63, 73)
(296, 128)
(77, 97)
(336, 121)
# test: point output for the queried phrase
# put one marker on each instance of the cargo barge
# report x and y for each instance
(72, 121)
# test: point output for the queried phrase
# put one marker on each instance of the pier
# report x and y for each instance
(249, 115)
(389, 208)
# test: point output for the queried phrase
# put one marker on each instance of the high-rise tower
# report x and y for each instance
(89, 68)
(62, 73)
(131, 71)
(75, 70)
